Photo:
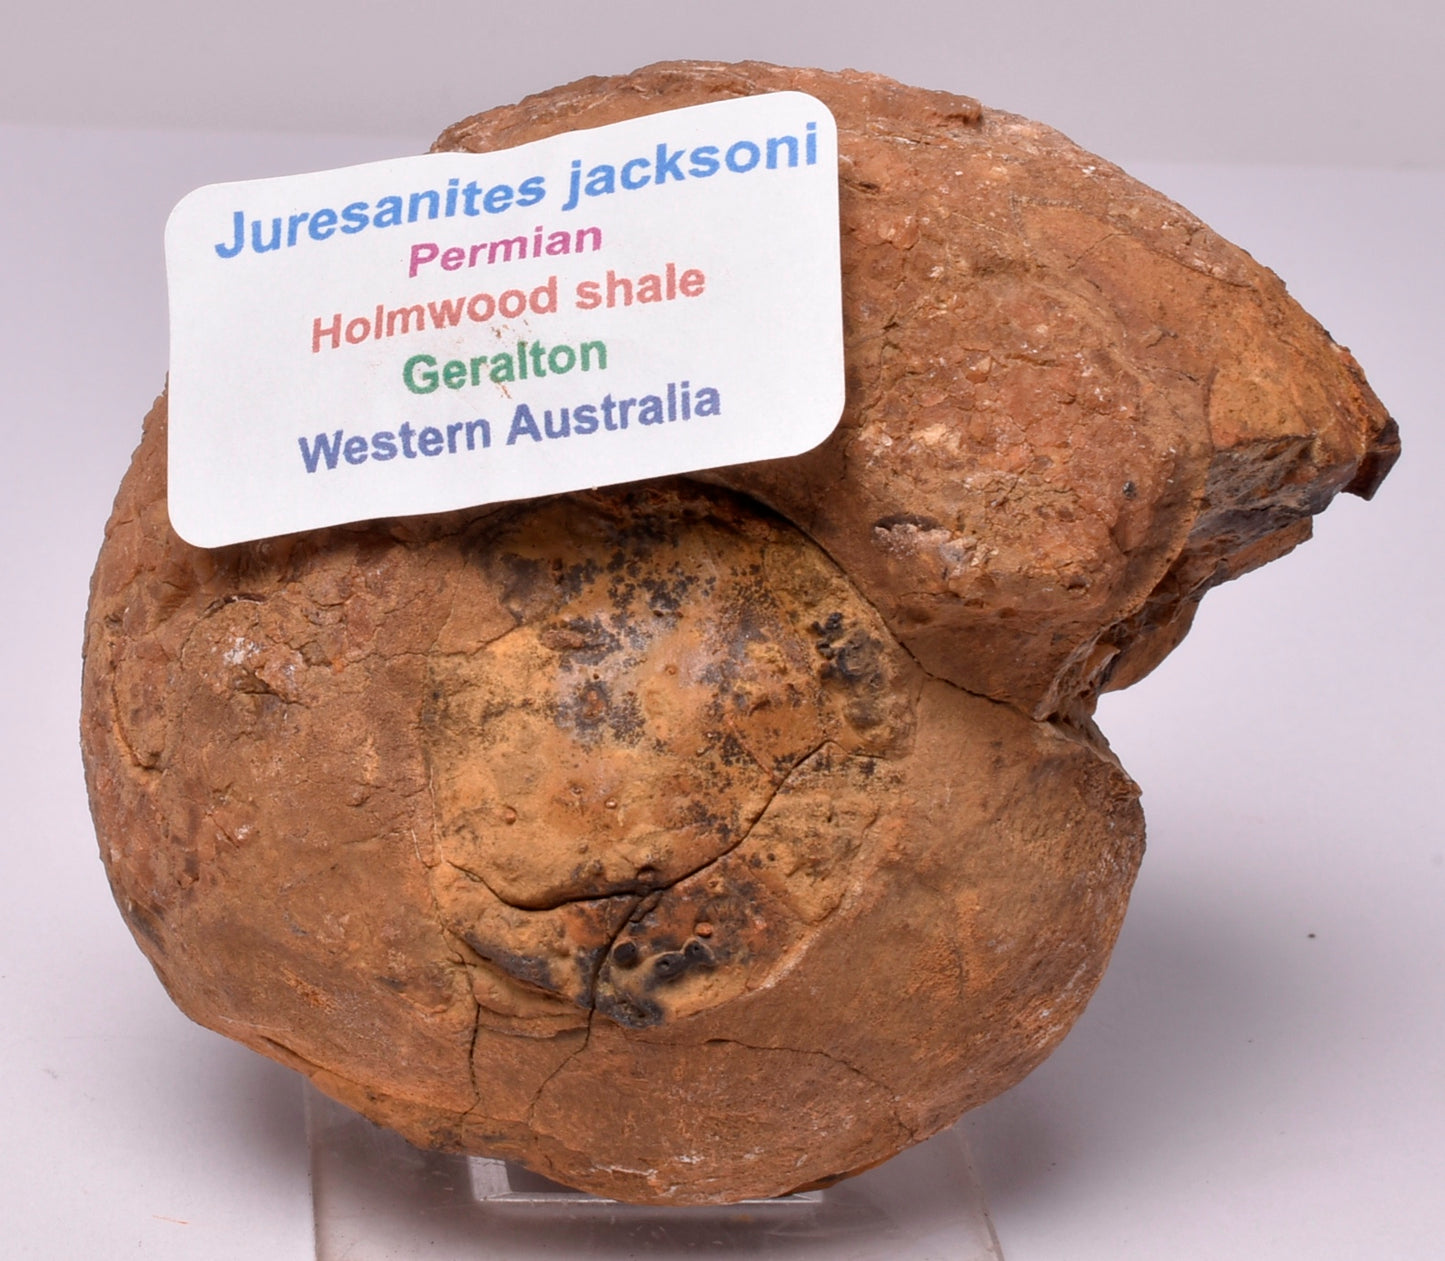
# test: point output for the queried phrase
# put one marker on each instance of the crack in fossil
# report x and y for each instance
(880, 1086)
(602, 955)
(649, 890)
(457, 958)
(309, 1069)
(211, 609)
(1136, 237)
(122, 738)
(1094, 245)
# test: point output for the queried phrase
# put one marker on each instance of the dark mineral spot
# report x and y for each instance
(589, 639)
(666, 967)
(630, 1013)
(828, 632)
(522, 581)
(855, 660)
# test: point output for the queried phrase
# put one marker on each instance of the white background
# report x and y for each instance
(1336, 81)
(1239, 1089)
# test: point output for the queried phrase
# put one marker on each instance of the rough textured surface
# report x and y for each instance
(614, 833)
(683, 850)
(1072, 408)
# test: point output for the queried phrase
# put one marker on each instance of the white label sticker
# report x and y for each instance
(651, 297)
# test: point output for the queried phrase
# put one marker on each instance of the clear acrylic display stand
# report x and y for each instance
(377, 1198)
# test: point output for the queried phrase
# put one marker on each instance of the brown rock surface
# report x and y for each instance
(1072, 407)
(684, 851)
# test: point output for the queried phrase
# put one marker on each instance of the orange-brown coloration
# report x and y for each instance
(1072, 407)
(681, 850)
